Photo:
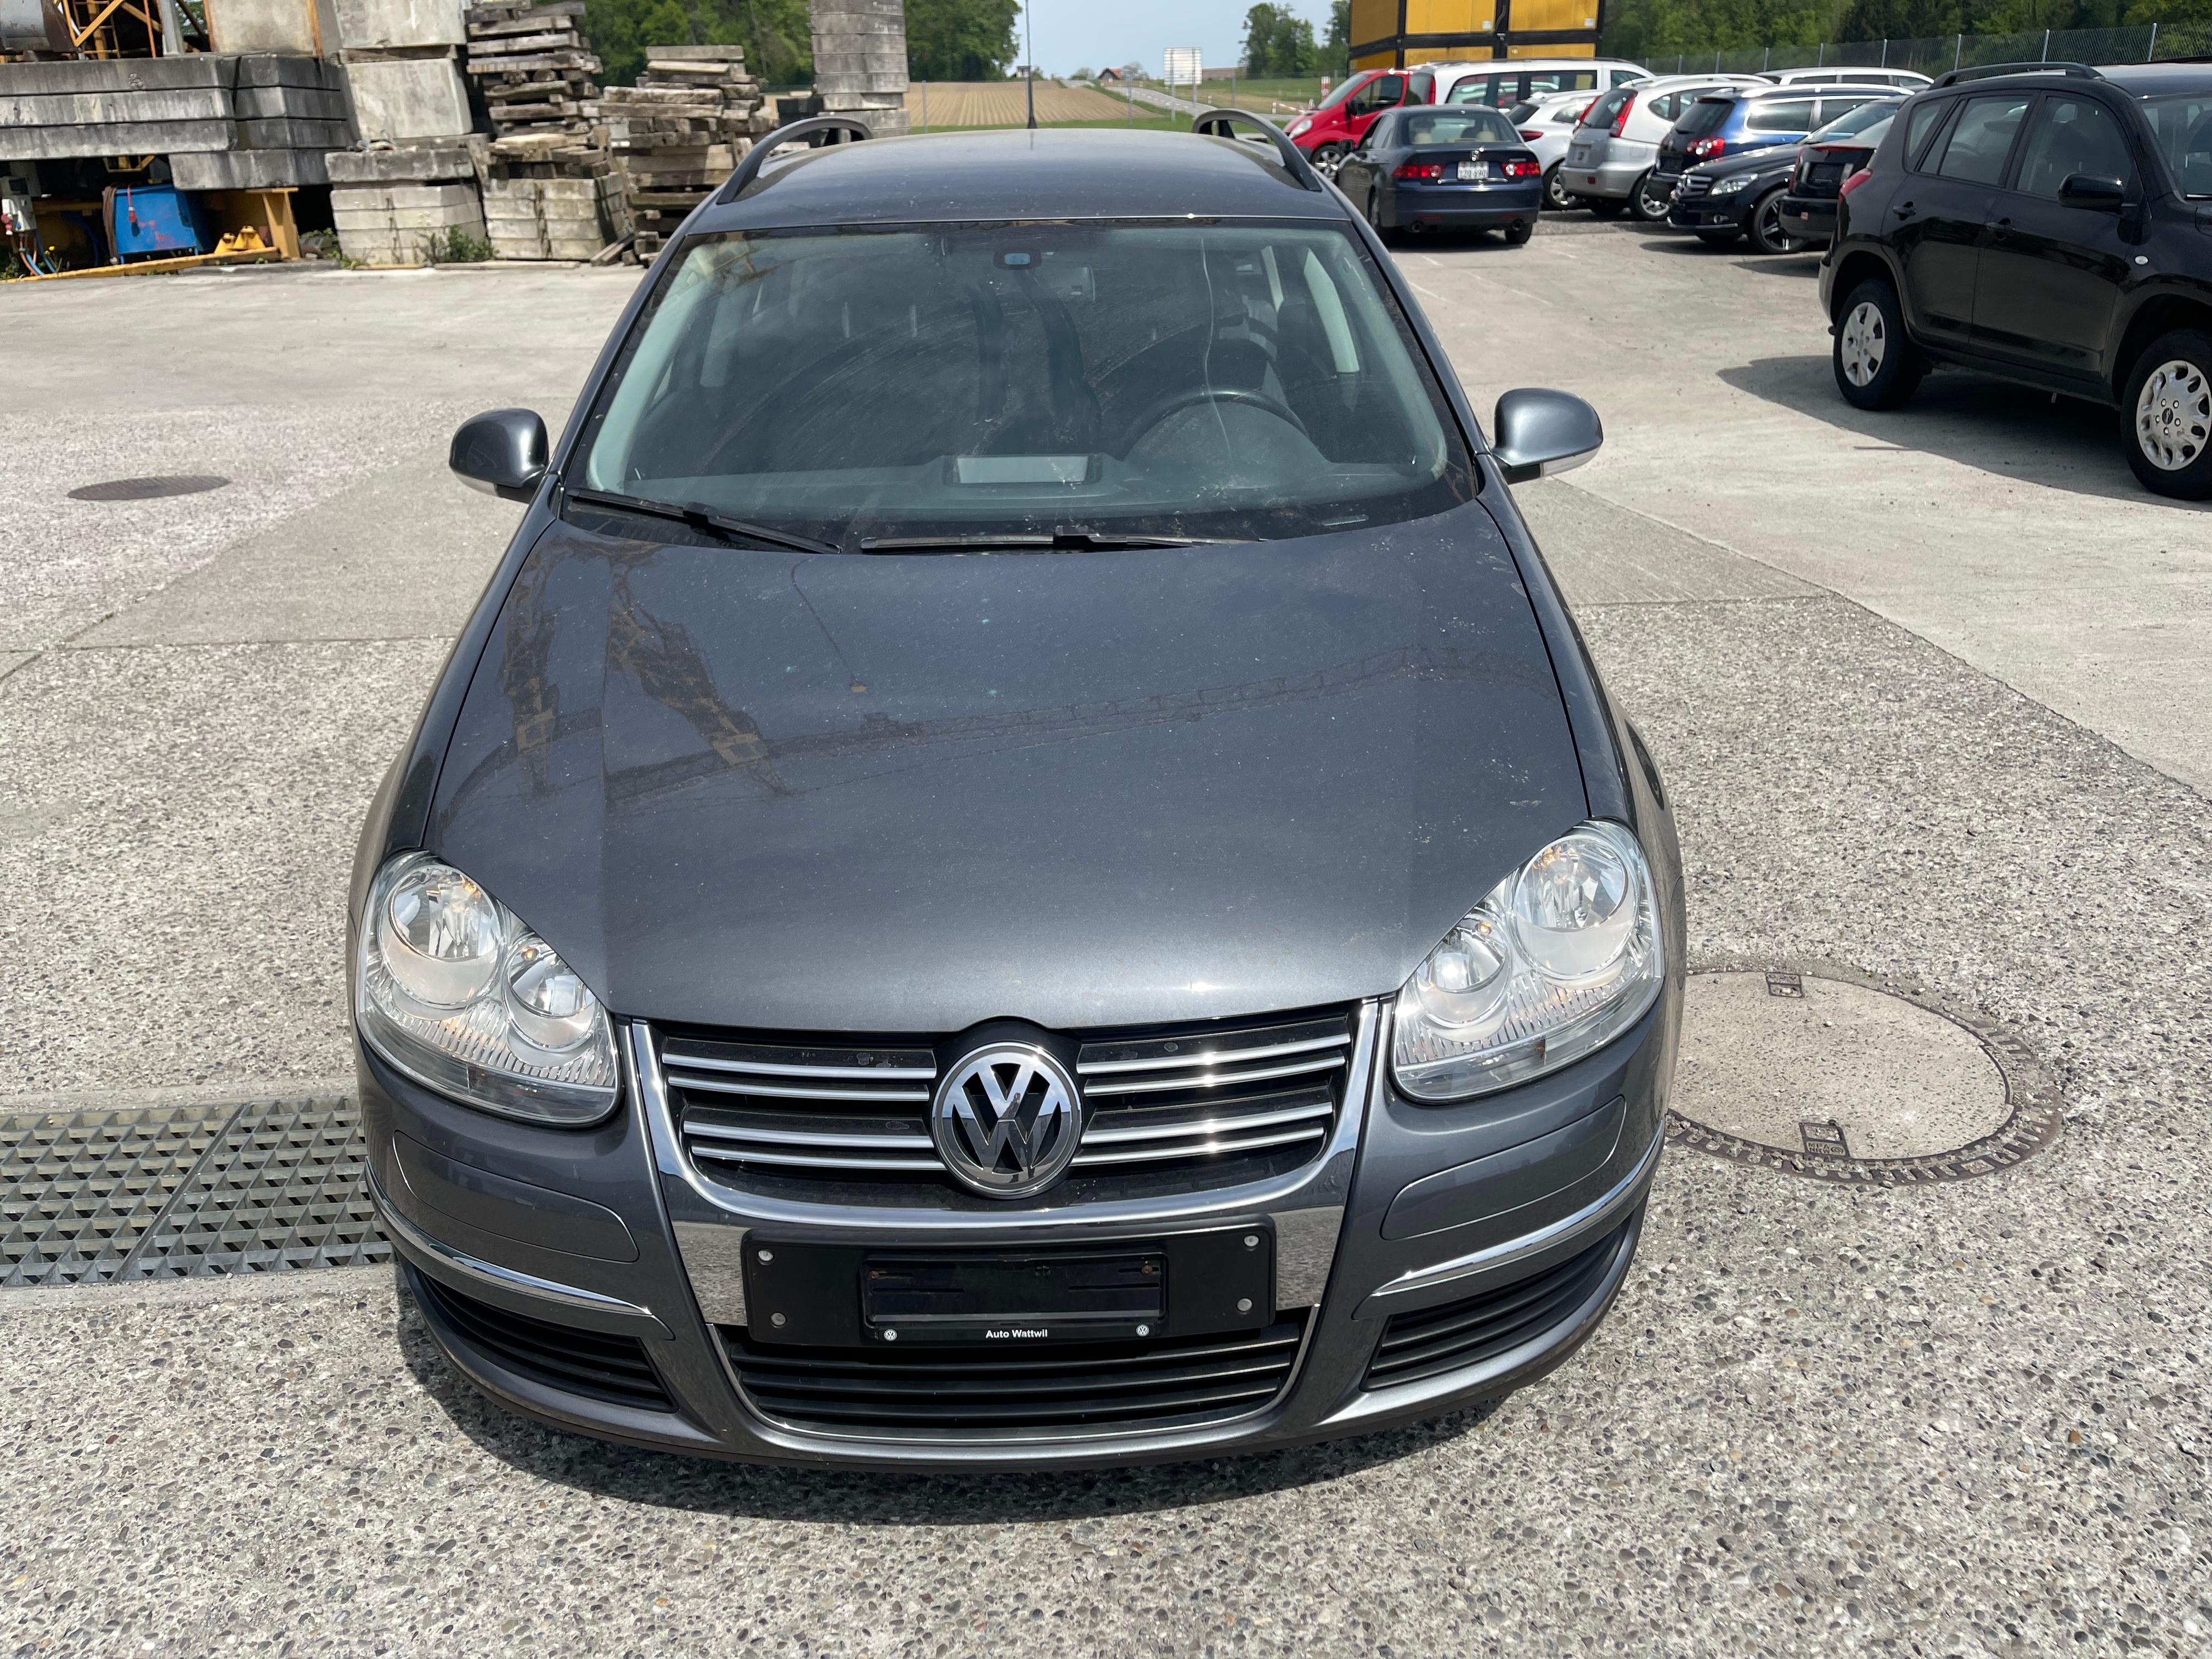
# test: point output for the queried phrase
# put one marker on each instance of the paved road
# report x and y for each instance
(1905, 677)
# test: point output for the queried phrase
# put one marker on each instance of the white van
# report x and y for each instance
(1906, 81)
(1502, 83)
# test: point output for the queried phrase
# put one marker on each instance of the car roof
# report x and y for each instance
(1093, 172)
(1818, 89)
(2147, 80)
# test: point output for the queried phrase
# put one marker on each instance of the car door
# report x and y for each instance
(1355, 175)
(1383, 91)
(1939, 216)
(2052, 276)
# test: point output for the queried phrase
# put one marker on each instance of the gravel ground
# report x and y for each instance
(1956, 1419)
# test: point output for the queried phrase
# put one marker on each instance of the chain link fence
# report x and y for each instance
(2148, 43)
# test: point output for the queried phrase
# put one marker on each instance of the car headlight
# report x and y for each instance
(1558, 959)
(1729, 186)
(456, 992)
(1300, 125)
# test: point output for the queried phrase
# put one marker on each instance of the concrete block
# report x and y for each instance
(390, 224)
(296, 103)
(400, 23)
(247, 169)
(90, 75)
(275, 25)
(116, 138)
(543, 218)
(317, 136)
(289, 70)
(77, 109)
(416, 163)
(405, 98)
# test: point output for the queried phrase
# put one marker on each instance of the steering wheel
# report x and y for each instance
(1175, 402)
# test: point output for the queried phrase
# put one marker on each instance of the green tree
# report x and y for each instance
(961, 39)
(1336, 50)
(778, 36)
(1278, 42)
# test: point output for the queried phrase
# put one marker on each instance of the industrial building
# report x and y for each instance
(1394, 33)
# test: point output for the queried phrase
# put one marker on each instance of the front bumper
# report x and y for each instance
(612, 1235)
(1710, 213)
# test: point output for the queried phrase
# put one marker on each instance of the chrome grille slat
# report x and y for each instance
(782, 1092)
(807, 1138)
(1242, 1144)
(1230, 1103)
(1212, 1080)
(1210, 1057)
(1095, 1136)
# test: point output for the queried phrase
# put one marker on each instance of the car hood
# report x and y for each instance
(1767, 158)
(903, 794)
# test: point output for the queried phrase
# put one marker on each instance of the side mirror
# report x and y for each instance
(1536, 431)
(503, 454)
(2086, 190)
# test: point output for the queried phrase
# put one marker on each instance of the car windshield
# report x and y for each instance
(1344, 88)
(1458, 126)
(1240, 381)
(2183, 124)
(1868, 122)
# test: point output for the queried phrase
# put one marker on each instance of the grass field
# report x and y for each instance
(1003, 104)
(1267, 97)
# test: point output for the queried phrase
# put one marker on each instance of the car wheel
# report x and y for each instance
(1651, 198)
(1605, 207)
(1384, 231)
(1766, 225)
(1555, 193)
(1518, 233)
(1876, 366)
(1719, 238)
(1326, 158)
(2168, 408)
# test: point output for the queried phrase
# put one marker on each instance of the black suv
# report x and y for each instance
(2050, 222)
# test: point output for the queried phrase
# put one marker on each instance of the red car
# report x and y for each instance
(1332, 131)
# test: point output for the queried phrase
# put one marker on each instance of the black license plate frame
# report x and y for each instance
(816, 1293)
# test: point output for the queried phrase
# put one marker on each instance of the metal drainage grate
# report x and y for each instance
(147, 489)
(185, 1192)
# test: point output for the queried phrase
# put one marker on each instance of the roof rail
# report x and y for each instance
(1219, 121)
(757, 157)
(1985, 71)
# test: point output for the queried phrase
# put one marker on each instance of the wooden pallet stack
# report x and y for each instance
(535, 71)
(678, 133)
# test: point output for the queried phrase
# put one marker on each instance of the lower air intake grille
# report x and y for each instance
(595, 1363)
(962, 1394)
(1431, 1341)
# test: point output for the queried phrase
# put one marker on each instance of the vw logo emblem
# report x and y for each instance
(1006, 1119)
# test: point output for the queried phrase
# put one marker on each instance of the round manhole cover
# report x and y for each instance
(147, 489)
(1837, 1079)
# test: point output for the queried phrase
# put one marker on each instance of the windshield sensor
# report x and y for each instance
(1059, 540)
(699, 519)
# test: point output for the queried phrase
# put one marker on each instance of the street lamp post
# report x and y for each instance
(1029, 63)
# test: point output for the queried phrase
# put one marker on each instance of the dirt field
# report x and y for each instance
(1001, 104)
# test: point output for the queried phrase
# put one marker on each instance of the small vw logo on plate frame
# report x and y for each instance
(1007, 1120)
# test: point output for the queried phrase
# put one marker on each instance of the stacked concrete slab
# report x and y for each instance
(225, 123)
(679, 132)
(859, 61)
(536, 70)
(393, 207)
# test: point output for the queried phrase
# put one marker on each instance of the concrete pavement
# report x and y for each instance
(1958, 1419)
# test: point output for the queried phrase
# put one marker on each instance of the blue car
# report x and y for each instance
(1733, 119)
(1463, 168)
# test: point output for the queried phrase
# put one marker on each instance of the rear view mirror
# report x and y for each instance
(1536, 431)
(502, 452)
(2086, 190)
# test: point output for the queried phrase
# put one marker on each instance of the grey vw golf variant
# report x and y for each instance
(1021, 864)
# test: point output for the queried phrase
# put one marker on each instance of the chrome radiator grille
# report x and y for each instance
(1202, 1106)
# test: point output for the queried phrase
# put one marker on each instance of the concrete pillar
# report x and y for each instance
(859, 61)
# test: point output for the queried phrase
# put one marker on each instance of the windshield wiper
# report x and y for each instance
(699, 519)
(1060, 541)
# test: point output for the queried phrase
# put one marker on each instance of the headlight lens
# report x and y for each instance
(1558, 959)
(453, 990)
(1729, 186)
(1299, 126)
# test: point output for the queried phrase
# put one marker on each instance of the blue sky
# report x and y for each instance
(1070, 34)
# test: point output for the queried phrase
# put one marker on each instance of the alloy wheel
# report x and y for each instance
(1768, 233)
(1327, 158)
(2173, 415)
(1864, 343)
(1555, 192)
